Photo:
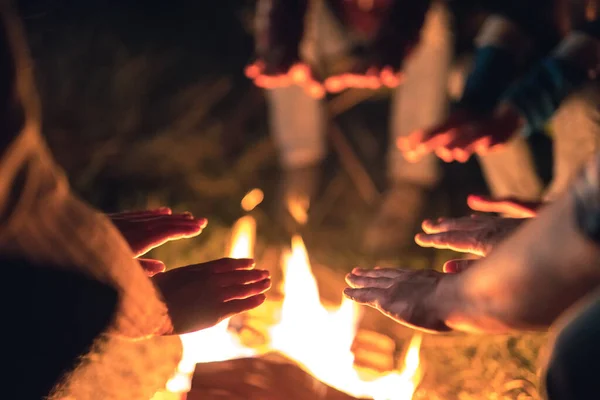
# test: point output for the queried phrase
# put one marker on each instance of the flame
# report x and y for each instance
(298, 208)
(320, 340)
(315, 337)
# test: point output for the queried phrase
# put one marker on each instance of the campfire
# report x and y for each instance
(297, 328)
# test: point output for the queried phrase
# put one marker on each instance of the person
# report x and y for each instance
(86, 321)
(328, 46)
(544, 275)
(525, 282)
(500, 106)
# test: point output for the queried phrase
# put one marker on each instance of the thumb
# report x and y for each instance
(456, 266)
(152, 267)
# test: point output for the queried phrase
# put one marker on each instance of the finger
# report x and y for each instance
(179, 222)
(334, 84)
(372, 79)
(462, 145)
(224, 265)
(456, 266)
(427, 140)
(233, 307)
(160, 234)
(389, 78)
(358, 281)
(453, 224)
(140, 213)
(436, 139)
(378, 272)
(300, 73)
(481, 146)
(252, 71)
(272, 81)
(502, 206)
(161, 218)
(314, 89)
(463, 242)
(240, 277)
(368, 296)
(237, 292)
(152, 267)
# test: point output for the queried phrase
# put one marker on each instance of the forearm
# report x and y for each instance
(530, 279)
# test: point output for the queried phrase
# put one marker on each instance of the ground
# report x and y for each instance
(148, 107)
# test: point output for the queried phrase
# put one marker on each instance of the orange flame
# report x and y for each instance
(320, 340)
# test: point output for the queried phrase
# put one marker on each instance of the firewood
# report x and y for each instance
(269, 377)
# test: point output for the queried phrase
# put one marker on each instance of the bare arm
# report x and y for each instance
(530, 279)
(524, 284)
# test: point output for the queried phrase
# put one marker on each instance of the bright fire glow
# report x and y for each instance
(317, 338)
(320, 340)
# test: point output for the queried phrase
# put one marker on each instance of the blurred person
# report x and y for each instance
(82, 318)
(354, 44)
(306, 49)
(557, 43)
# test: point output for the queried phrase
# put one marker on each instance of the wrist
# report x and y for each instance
(449, 300)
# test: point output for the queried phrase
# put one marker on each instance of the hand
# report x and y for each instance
(364, 78)
(298, 74)
(458, 266)
(509, 207)
(414, 298)
(145, 230)
(462, 135)
(477, 234)
(202, 295)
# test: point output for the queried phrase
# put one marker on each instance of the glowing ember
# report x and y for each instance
(317, 338)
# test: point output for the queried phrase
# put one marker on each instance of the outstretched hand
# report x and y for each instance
(298, 74)
(364, 77)
(202, 295)
(146, 230)
(414, 298)
(463, 134)
(477, 234)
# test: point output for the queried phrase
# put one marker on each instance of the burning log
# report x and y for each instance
(269, 377)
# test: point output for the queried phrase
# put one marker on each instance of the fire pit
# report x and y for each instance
(293, 346)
